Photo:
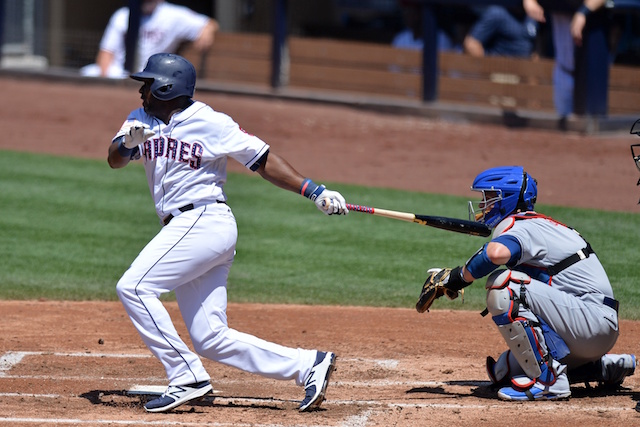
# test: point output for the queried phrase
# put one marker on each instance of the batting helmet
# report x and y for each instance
(510, 189)
(171, 76)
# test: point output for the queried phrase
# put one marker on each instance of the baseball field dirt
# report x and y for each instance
(72, 363)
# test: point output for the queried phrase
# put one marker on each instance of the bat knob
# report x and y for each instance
(326, 204)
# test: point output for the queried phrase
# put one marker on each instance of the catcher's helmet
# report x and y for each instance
(505, 189)
(171, 76)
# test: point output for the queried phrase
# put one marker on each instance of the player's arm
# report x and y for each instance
(207, 36)
(104, 61)
(534, 10)
(579, 19)
(280, 173)
(118, 157)
(126, 143)
(473, 46)
(503, 250)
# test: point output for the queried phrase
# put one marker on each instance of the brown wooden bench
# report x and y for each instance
(235, 58)
(624, 90)
(380, 70)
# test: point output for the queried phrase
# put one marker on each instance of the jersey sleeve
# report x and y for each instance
(242, 146)
(533, 246)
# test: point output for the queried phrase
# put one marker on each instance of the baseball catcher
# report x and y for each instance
(547, 294)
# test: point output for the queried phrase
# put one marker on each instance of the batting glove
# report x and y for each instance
(136, 134)
(331, 203)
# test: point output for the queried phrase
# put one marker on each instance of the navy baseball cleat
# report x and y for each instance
(176, 395)
(316, 383)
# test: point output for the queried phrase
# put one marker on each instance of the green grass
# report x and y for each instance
(71, 227)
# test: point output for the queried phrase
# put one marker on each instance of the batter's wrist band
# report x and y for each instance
(584, 10)
(124, 151)
(310, 189)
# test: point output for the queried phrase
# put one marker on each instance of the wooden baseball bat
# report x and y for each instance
(444, 223)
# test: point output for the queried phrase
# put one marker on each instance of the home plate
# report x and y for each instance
(153, 390)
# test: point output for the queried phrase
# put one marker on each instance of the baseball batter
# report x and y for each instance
(553, 304)
(184, 145)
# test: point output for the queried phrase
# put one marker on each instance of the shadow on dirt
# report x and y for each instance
(485, 390)
(124, 399)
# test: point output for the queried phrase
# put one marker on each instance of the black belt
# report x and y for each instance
(610, 302)
(185, 208)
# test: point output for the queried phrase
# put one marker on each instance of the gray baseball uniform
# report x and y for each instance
(577, 302)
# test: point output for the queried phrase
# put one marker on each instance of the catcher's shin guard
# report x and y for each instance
(518, 333)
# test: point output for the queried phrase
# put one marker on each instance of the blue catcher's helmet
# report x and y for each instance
(505, 190)
(171, 76)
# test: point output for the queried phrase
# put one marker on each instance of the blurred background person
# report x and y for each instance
(164, 27)
(568, 19)
(411, 37)
(501, 32)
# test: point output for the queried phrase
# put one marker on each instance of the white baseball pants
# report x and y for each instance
(192, 256)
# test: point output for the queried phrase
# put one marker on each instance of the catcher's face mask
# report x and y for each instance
(486, 208)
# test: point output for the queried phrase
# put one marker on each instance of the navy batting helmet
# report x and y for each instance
(171, 76)
(505, 190)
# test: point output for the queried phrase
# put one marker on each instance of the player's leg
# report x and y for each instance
(590, 329)
(180, 252)
(585, 323)
(203, 304)
(545, 377)
(609, 371)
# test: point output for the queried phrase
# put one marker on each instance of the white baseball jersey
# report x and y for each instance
(186, 160)
(185, 164)
(163, 31)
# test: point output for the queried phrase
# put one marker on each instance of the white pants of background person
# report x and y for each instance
(114, 71)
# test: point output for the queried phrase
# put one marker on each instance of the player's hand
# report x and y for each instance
(331, 203)
(136, 134)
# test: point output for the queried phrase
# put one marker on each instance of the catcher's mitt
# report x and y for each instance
(435, 286)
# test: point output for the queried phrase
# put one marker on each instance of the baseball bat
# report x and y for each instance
(444, 223)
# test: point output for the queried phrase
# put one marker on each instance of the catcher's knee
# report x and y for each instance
(517, 332)
(500, 298)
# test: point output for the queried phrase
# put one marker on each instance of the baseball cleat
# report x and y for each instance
(536, 392)
(176, 395)
(316, 384)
